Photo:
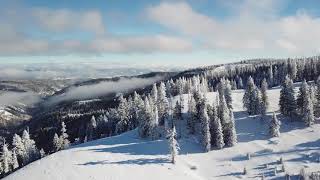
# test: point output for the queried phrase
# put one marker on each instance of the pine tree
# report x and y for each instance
(56, 142)
(6, 158)
(64, 142)
(173, 145)
(274, 128)
(308, 116)
(154, 93)
(192, 115)
(163, 104)
(42, 153)
(123, 115)
(14, 161)
(317, 96)
(264, 97)
(177, 113)
(18, 148)
(250, 97)
(91, 127)
(302, 97)
(287, 100)
(216, 129)
(270, 77)
(227, 94)
(231, 135)
(205, 129)
(32, 152)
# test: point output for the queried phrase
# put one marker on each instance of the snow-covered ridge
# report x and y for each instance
(128, 157)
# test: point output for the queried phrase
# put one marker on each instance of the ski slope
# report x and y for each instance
(128, 157)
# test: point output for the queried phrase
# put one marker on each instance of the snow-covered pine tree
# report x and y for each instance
(123, 115)
(56, 143)
(317, 96)
(154, 93)
(32, 152)
(14, 161)
(205, 129)
(230, 133)
(192, 115)
(216, 129)
(91, 127)
(177, 113)
(64, 142)
(302, 97)
(270, 77)
(287, 101)
(18, 148)
(240, 83)
(139, 109)
(6, 158)
(274, 128)
(249, 97)
(308, 116)
(163, 104)
(264, 97)
(224, 116)
(146, 125)
(42, 153)
(173, 145)
(257, 102)
(227, 94)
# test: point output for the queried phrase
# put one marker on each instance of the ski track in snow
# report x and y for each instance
(128, 157)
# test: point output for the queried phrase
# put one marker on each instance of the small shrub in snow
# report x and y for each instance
(280, 160)
(283, 168)
(245, 172)
(248, 156)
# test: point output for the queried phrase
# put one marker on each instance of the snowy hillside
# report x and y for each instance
(128, 157)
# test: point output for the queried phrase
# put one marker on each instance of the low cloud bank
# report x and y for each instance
(14, 98)
(103, 88)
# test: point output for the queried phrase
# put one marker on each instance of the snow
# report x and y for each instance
(128, 157)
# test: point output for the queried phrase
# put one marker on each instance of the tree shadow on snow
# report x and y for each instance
(140, 161)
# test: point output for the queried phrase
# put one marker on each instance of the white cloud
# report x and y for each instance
(14, 41)
(253, 27)
(104, 88)
(63, 19)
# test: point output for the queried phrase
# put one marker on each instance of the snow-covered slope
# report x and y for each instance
(128, 157)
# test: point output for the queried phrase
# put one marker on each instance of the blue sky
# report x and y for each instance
(153, 32)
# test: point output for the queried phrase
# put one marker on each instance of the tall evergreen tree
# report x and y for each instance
(6, 158)
(18, 148)
(302, 97)
(163, 104)
(317, 96)
(123, 115)
(14, 164)
(274, 128)
(32, 152)
(308, 116)
(205, 129)
(227, 94)
(56, 143)
(192, 115)
(91, 128)
(264, 97)
(230, 133)
(173, 145)
(250, 97)
(64, 142)
(287, 100)
(216, 129)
